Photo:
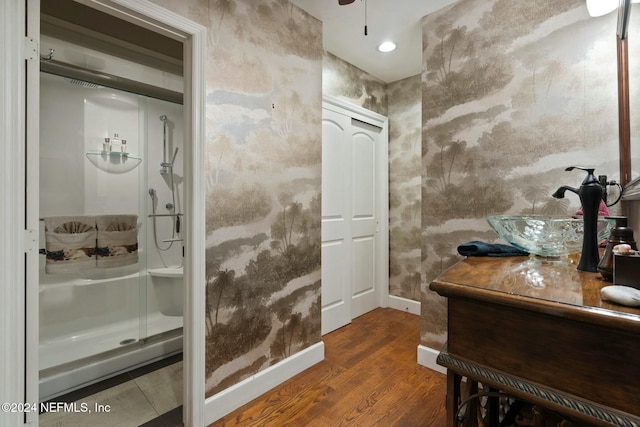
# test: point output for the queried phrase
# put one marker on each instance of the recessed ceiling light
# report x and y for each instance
(387, 47)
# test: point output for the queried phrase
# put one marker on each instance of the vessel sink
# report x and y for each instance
(546, 236)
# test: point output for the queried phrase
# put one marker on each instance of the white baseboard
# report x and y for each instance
(404, 304)
(226, 401)
(427, 357)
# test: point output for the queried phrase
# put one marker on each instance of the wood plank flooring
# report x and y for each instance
(369, 377)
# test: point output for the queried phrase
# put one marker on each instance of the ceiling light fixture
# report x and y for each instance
(602, 7)
(387, 46)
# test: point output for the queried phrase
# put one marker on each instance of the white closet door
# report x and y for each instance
(351, 204)
(364, 221)
(336, 243)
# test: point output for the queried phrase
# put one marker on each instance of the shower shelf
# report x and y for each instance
(113, 161)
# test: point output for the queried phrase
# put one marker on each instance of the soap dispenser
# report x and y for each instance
(621, 234)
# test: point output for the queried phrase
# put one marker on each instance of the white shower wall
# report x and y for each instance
(77, 308)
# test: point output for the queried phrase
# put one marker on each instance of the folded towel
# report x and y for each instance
(70, 243)
(117, 241)
(475, 248)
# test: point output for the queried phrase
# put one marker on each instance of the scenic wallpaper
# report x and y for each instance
(344, 80)
(512, 94)
(263, 168)
(405, 199)
(263, 182)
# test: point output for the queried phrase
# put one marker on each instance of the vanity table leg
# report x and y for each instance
(473, 404)
(453, 397)
(493, 409)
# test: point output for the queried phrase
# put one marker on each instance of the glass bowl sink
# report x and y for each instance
(546, 235)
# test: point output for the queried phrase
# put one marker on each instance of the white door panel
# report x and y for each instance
(336, 295)
(351, 208)
(363, 259)
(336, 302)
(332, 269)
(333, 229)
(363, 170)
(364, 295)
(333, 169)
(363, 227)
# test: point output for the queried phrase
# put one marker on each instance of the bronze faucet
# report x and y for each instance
(590, 193)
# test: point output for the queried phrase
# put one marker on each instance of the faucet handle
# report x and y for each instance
(591, 178)
(588, 170)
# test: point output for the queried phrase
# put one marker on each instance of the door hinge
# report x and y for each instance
(30, 49)
(30, 241)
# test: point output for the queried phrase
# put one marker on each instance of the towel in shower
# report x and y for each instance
(70, 243)
(476, 248)
(117, 243)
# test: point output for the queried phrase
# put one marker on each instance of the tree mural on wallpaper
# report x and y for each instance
(456, 74)
(263, 165)
(510, 99)
(534, 194)
(257, 308)
(344, 80)
(263, 138)
(410, 285)
(405, 205)
(223, 279)
(223, 7)
(227, 207)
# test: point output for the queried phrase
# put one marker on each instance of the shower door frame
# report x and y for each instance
(25, 132)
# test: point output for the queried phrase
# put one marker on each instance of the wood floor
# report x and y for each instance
(369, 377)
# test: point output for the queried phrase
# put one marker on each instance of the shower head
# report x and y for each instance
(152, 193)
(84, 83)
(163, 118)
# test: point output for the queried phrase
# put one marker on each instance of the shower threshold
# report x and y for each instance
(66, 377)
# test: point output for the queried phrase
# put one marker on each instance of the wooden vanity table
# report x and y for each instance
(538, 330)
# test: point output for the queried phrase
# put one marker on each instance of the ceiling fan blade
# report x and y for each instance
(343, 2)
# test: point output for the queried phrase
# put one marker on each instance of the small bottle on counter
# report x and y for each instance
(621, 234)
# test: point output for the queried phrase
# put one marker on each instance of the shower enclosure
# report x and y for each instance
(109, 307)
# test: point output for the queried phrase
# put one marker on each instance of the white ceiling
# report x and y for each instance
(396, 20)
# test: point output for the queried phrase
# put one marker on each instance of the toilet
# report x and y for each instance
(167, 283)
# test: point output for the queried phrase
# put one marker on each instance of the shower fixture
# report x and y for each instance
(164, 164)
(176, 220)
(166, 167)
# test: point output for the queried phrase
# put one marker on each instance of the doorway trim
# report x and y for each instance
(19, 124)
(14, 244)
